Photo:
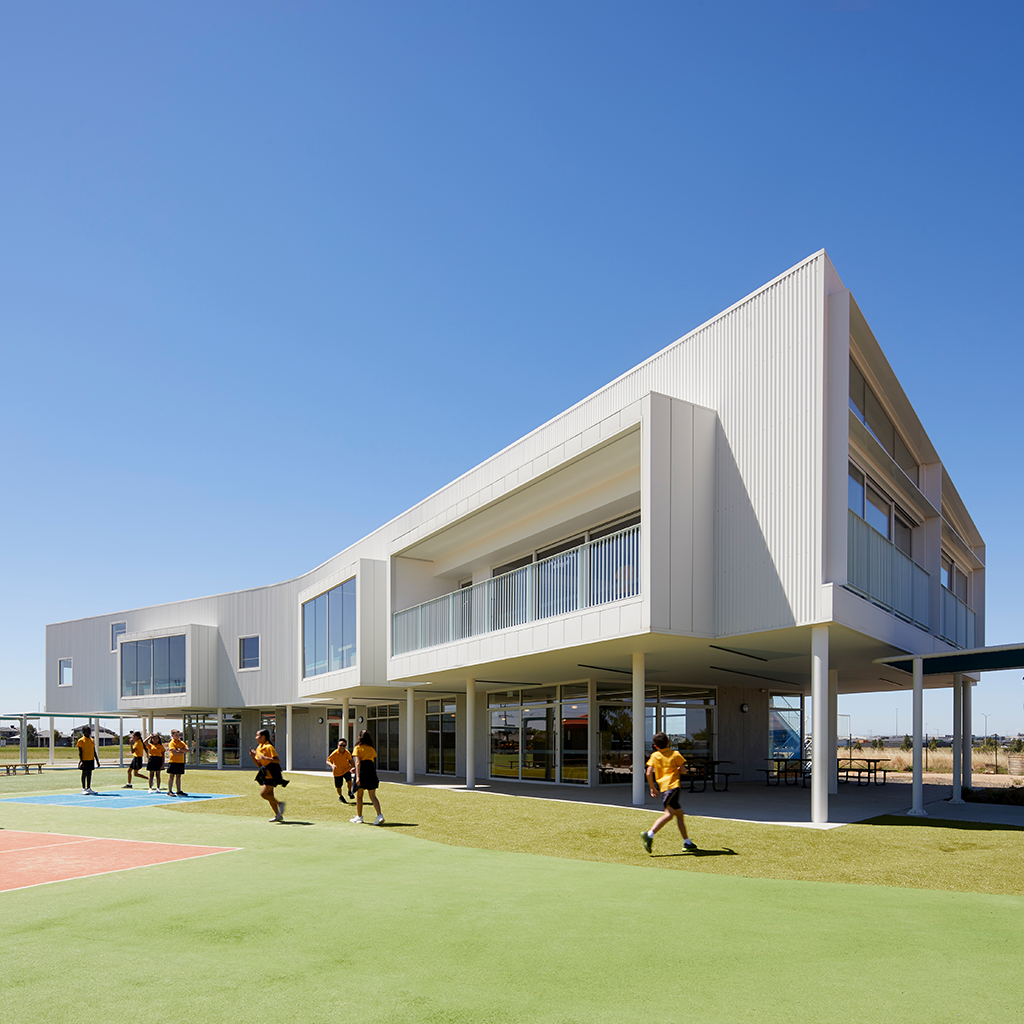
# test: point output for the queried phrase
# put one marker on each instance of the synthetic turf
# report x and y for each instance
(35, 858)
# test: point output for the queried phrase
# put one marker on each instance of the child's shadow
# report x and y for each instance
(726, 852)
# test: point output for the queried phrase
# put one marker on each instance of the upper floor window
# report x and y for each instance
(64, 672)
(878, 511)
(869, 411)
(116, 630)
(953, 578)
(248, 652)
(329, 630)
(153, 667)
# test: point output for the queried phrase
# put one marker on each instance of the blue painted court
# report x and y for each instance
(117, 799)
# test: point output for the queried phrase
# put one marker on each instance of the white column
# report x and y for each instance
(918, 809)
(152, 720)
(639, 706)
(968, 766)
(52, 744)
(344, 721)
(593, 736)
(470, 734)
(220, 737)
(23, 740)
(120, 741)
(833, 730)
(958, 730)
(410, 736)
(819, 724)
(288, 738)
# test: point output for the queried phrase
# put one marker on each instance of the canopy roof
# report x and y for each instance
(981, 659)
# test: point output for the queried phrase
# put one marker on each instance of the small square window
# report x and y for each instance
(249, 652)
(64, 672)
(116, 630)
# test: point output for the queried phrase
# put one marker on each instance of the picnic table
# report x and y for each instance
(12, 769)
(865, 769)
(705, 770)
(788, 770)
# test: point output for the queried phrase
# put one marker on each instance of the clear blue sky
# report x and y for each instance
(270, 273)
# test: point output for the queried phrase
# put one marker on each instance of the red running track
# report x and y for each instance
(36, 858)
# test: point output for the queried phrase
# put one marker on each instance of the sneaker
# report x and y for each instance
(85, 792)
(357, 820)
(92, 792)
(380, 820)
(129, 786)
(648, 840)
(170, 792)
(182, 792)
(280, 810)
(689, 844)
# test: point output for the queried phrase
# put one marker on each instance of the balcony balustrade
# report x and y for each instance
(957, 621)
(595, 573)
(878, 570)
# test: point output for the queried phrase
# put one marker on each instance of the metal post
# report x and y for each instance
(220, 738)
(639, 707)
(958, 729)
(288, 737)
(52, 740)
(120, 741)
(410, 736)
(23, 742)
(968, 745)
(918, 809)
(470, 734)
(344, 721)
(819, 724)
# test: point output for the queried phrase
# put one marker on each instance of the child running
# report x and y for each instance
(663, 768)
(155, 765)
(341, 763)
(366, 777)
(176, 762)
(138, 749)
(269, 774)
(87, 759)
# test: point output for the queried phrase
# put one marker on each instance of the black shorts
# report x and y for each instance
(136, 764)
(270, 775)
(340, 780)
(367, 776)
(670, 799)
(176, 768)
(156, 764)
(87, 766)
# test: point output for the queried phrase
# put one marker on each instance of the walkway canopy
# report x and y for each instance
(953, 664)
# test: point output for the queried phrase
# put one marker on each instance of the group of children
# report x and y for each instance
(152, 747)
(356, 772)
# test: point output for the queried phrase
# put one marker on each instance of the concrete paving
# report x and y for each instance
(754, 801)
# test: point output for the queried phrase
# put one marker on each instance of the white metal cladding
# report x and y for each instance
(759, 366)
(600, 571)
(881, 572)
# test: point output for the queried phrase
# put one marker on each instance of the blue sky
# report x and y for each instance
(270, 273)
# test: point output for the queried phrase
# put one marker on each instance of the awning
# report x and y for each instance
(980, 659)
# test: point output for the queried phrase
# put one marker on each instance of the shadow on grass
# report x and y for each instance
(285, 822)
(699, 853)
(967, 826)
(399, 824)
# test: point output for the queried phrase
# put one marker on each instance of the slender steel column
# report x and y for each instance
(288, 738)
(639, 705)
(918, 809)
(958, 735)
(470, 734)
(819, 725)
(410, 736)
(968, 765)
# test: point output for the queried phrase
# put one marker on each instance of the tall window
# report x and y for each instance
(878, 511)
(153, 667)
(953, 578)
(382, 724)
(116, 629)
(869, 411)
(441, 736)
(329, 630)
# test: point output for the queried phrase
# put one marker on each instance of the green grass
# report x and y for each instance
(483, 908)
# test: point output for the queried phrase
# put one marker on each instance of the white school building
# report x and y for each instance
(751, 517)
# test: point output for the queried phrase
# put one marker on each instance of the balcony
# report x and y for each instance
(957, 621)
(595, 573)
(878, 570)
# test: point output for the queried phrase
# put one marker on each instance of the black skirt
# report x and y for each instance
(368, 776)
(270, 775)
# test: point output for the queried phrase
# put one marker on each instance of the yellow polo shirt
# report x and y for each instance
(667, 765)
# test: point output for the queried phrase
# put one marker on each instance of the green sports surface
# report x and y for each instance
(474, 907)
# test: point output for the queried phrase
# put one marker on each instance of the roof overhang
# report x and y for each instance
(980, 659)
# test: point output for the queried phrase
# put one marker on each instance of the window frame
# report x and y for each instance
(242, 667)
(114, 636)
(70, 662)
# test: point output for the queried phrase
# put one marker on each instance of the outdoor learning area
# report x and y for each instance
(503, 904)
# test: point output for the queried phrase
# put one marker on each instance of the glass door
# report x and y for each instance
(441, 737)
